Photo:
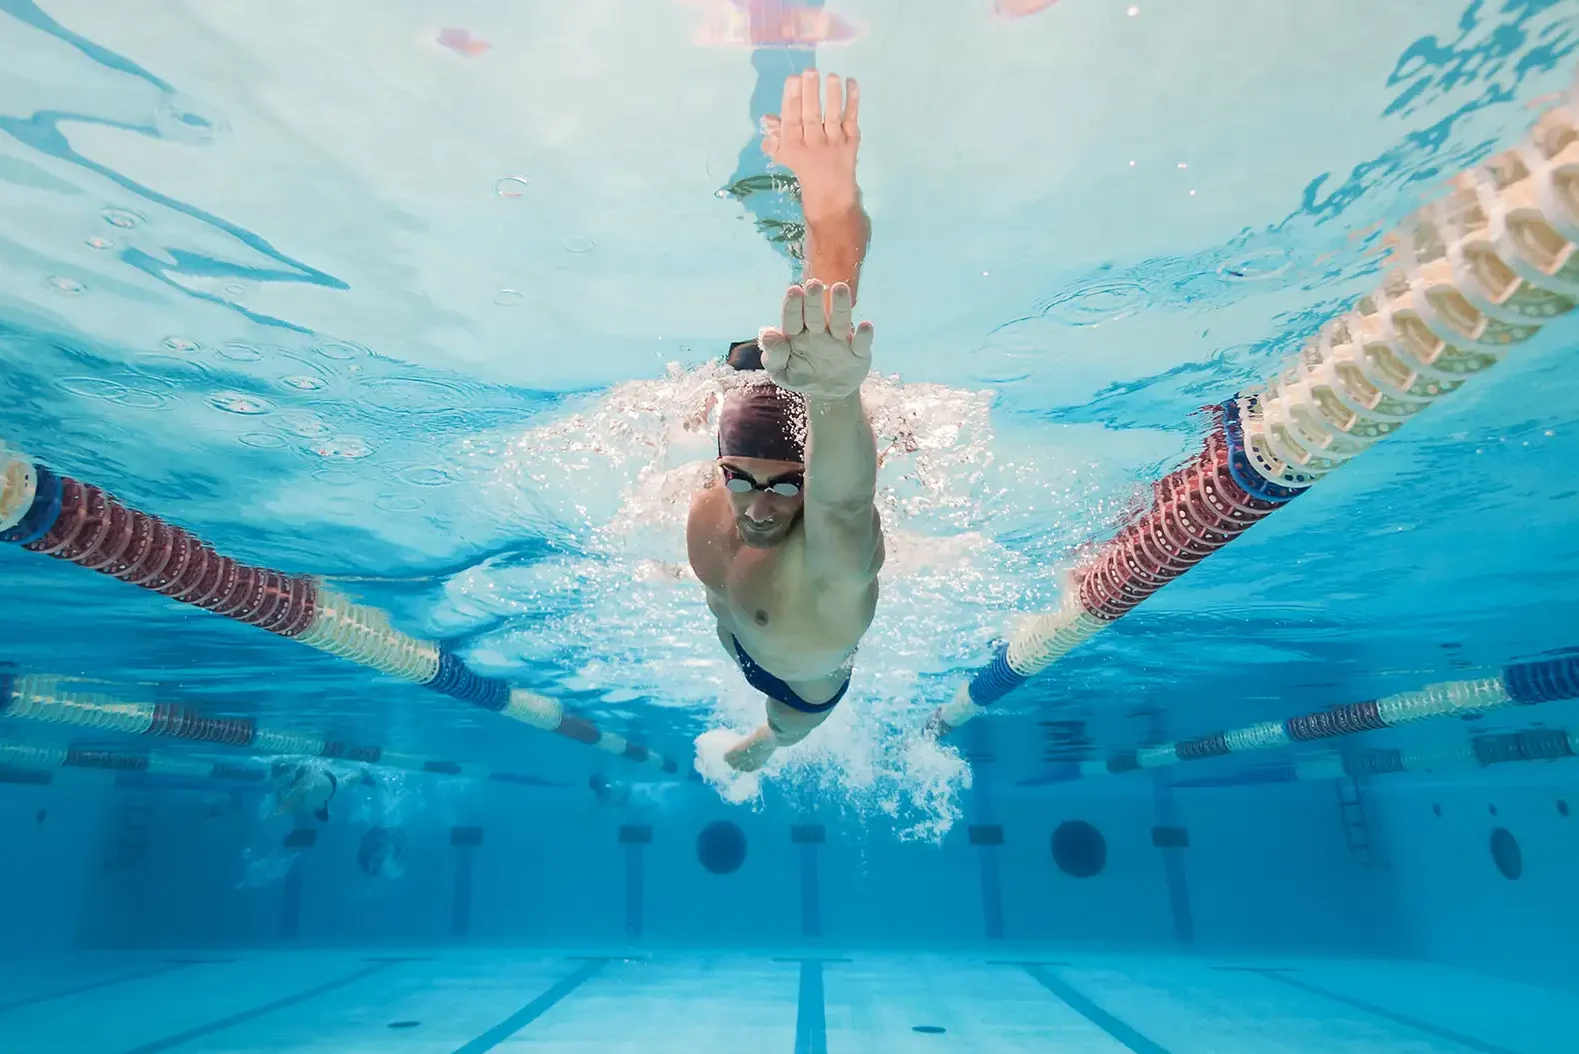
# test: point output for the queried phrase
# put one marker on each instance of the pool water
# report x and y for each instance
(370, 355)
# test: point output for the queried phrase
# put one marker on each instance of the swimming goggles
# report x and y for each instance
(740, 483)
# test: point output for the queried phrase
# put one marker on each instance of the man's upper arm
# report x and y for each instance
(846, 541)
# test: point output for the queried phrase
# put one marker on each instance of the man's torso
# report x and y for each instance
(799, 626)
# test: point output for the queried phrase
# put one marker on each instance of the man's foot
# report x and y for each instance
(751, 753)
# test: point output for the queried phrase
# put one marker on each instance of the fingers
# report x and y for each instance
(791, 129)
(795, 310)
(861, 344)
(813, 311)
(833, 112)
(843, 304)
(852, 109)
(775, 350)
(810, 103)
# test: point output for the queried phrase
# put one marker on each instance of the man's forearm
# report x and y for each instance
(841, 453)
(837, 236)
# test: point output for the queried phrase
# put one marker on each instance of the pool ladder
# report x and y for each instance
(1356, 825)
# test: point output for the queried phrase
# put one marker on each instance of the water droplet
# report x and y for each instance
(399, 503)
(237, 403)
(141, 399)
(430, 475)
(238, 352)
(170, 371)
(102, 244)
(508, 298)
(303, 383)
(577, 244)
(1261, 264)
(335, 477)
(510, 186)
(348, 448)
(305, 425)
(412, 395)
(261, 440)
(92, 387)
(65, 286)
(1095, 303)
(123, 219)
(342, 350)
(185, 120)
(181, 344)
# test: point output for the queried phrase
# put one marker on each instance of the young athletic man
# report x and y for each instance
(786, 538)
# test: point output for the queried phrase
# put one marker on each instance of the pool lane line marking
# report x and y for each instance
(1470, 1042)
(168, 966)
(535, 1009)
(1113, 1026)
(181, 1038)
(811, 1021)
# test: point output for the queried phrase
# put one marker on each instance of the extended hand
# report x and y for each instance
(817, 353)
(818, 145)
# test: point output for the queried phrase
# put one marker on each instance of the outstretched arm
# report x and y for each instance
(820, 354)
(819, 144)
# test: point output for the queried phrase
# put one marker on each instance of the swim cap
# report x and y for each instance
(763, 420)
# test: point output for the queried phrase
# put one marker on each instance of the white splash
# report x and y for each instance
(621, 609)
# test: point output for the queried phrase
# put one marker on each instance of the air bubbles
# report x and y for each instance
(509, 298)
(183, 120)
(181, 344)
(92, 387)
(238, 403)
(302, 382)
(399, 503)
(261, 440)
(344, 448)
(510, 186)
(125, 220)
(101, 244)
(65, 285)
(578, 245)
(1095, 303)
(342, 350)
(236, 351)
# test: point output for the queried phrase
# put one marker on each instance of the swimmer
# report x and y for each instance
(785, 537)
(307, 788)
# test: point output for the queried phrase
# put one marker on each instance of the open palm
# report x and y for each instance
(817, 143)
(816, 351)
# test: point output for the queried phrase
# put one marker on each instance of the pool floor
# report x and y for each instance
(468, 1002)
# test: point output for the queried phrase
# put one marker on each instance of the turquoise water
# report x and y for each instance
(422, 307)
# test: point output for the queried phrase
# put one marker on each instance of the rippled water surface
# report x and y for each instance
(435, 311)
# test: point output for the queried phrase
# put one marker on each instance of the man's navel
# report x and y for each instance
(762, 617)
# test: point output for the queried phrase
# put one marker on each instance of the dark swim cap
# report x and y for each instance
(763, 420)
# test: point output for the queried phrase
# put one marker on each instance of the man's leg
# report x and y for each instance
(784, 727)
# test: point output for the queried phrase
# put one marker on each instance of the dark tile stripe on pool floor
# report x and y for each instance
(180, 1038)
(535, 1009)
(1470, 1042)
(1113, 1026)
(169, 966)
